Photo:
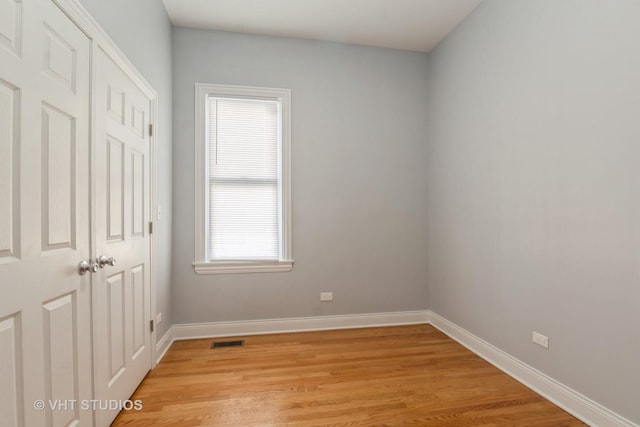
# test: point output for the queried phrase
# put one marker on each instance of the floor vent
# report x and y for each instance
(222, 344)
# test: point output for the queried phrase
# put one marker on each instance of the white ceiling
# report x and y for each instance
(417, 25)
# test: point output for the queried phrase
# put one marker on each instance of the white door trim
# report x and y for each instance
(153, 215)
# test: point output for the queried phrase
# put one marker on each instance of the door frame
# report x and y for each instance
(100, 40)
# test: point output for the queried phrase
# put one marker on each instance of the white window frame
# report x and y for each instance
(202, 265)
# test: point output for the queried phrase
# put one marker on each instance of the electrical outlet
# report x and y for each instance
(158, 318)
(326, 296)
(540, 339)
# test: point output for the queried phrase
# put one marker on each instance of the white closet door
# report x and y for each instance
(121, 300)
(45, 317)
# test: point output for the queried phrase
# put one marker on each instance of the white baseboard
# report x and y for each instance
(568, 399)
(163, 345)
(300, 324)
(271, 326)
(565, 397)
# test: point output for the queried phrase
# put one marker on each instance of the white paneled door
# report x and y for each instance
(121, 297)
(74, 186)
(45, 304)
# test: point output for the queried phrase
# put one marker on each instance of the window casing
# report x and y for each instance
(243, 190)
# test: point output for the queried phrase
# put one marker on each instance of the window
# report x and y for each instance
(243, 201)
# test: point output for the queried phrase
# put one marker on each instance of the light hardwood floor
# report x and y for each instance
(392, 376)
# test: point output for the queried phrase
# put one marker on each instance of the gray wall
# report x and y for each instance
(359, 204)
(534, 187)
(142, 30)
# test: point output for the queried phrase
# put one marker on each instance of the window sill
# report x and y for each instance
(233, 267)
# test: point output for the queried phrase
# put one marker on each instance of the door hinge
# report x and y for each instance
(150, 227)
(150, 129)
(151, 325)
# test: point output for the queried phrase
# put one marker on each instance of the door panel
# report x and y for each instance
(137, 194)
(60, 351)
(11, 386)
(59, 59)
(11, 24)
(45, 309)
(115, 189)
(58, 179)
(116, 322)
(9, 169)
(121, 301)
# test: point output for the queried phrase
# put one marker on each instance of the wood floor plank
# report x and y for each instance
(389, 376)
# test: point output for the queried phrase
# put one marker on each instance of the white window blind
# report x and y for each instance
(244, 218)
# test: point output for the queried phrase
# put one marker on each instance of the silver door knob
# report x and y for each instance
(103, 260)
(87, 267)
